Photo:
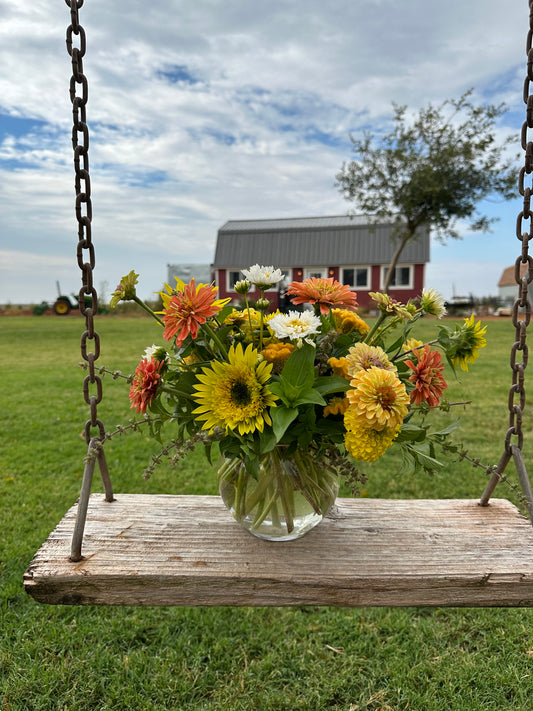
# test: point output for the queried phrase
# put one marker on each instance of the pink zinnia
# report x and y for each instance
(327, 293)
(145, 383)
(188, 309)
(427, 377)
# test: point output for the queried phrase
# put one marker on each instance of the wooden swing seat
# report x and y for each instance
(188, 551)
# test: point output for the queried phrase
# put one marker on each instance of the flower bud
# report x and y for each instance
(242, 287)
(262, 304)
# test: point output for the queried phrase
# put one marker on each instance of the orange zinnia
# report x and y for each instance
(145, 383)
(324, 292)
(187, 309)
(427, 377)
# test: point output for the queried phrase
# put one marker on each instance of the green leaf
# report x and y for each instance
(310, 397)
(447, 430)
(267, 440)
(281, 419)
(411, 433)
(299, 368)
(326, 385)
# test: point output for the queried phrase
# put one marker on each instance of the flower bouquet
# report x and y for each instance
(294, 401)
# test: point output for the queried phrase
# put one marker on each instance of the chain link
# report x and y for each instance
(87, 297)
(521, 314)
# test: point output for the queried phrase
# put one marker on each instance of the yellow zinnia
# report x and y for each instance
(233, 395)
(278, 354)
(378, 400)
(367, 445)
(363, 357)
(336, 406)
(348, 321)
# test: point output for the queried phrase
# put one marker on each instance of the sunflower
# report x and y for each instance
(378, 400)
(466, 341)
(325, 293)
(233, 395)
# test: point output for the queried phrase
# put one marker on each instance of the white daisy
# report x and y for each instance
(263, 277)
(152, 350)
(432, 302)
(294, 325)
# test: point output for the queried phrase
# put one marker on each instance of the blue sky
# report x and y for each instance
(204, 112)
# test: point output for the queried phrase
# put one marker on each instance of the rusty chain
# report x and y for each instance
(522, 307)
(521, 314)
(87, 297)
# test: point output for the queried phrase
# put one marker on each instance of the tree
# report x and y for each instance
(432, 170)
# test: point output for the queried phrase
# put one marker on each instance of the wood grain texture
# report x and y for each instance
(187, 550)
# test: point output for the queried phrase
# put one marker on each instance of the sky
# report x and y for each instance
(202, 112)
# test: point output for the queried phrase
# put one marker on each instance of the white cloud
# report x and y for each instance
(202, 112)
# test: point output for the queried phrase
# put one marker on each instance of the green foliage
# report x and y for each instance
(431, 170)
(236, 659)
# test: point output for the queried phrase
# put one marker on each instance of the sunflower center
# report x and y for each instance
(240, 393)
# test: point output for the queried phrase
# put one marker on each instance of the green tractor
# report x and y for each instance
(63, 305)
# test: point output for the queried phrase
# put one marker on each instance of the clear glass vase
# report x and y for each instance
(289, 497)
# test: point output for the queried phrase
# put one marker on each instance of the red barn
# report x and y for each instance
(354, 250)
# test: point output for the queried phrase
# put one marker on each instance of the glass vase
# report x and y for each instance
(289, 496)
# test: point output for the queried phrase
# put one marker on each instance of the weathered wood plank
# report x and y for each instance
(187, 550)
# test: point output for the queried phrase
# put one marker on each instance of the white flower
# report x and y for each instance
(263, 277)
(294, 325)
(432, 302)
(153, 349)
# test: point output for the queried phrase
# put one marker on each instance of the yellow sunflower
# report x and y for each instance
(466, 342)
(233, 395)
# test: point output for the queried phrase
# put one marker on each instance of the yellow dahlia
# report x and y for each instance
(378, 400)
(234, 395)
(367, 445)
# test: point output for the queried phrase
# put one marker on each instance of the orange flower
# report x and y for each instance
(339, 366)
(336, 406)
(278, 354)
(324, 292)
(427, 377)
(187, 309)
(145, 383)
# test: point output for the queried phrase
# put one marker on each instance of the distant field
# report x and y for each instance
(91, 659)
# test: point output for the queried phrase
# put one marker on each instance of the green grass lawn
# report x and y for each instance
(272, 659)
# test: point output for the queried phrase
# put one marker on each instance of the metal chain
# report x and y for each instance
(522, 305)
(87, 297)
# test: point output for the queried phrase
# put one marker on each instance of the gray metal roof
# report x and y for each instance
(313, 241)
